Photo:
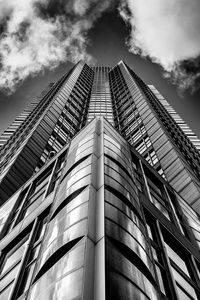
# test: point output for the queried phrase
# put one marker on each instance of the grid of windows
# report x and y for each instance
(35, 111)
(100, 100)
(181, 136)
(69, 109)
(176, 271)
(127, 118)
(157, 195)
(169, 203)
(179, 121)
(18, 264)
(34, 194)
(31, 256)
(10, 267)
(27, 145)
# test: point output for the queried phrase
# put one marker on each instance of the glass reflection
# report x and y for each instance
(5, 293)
(122, 187)
(11, 266)
(127, 239)
(77, 176)
(15, 255)
(177, 259)
(183, 285)
(63, 237)
(78, 200)
(119, 218)
(6, 209)
(59, 281)
(119, 266)
(123, 206)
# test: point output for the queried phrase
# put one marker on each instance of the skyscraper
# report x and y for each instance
(100, 193)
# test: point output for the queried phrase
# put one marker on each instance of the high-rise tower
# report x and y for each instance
(100, 193)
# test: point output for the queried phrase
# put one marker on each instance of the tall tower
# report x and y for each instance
(57, 117)
(146, 120)
(100, 194)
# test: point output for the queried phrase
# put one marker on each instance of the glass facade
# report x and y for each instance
(99, 191)
(137, 111)
(98, 222)
(100, 100)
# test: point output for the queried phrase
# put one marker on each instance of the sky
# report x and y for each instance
(41, 40)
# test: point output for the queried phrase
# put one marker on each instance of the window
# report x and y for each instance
(10, 267)
(160, 171)
(15, 212)
(55, 144)
(187, 220)
(171, 260)
(33, 252)
(18, 264)
(36, 194)
(137, 172)
(143, 145)
(57, 173)
(181, 270)
(175, 258)
(159, 260)
(151, 157)
(157, 194)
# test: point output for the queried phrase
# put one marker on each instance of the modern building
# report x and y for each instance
(100, 194)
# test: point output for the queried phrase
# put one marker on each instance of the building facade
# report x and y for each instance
(100, 193)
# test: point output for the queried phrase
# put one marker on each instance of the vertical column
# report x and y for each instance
(99, 279)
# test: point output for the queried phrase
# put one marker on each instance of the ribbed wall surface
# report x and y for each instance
(179, 121)
(96, 220)
(98, 223)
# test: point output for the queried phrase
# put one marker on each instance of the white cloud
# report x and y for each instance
(39, 34)
(166, 31)
(80, 7)
(32, 42)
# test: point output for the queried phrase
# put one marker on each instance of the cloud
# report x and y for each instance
(168, 33)
(40, 34)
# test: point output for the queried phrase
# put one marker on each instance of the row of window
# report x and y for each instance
(172, 261)
(22, 132)
(31, 197)
(25, 251)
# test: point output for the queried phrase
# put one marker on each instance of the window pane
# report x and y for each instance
(177, 259)
(10, 276)
(160, 279)
(161, 208)
(184, 284)
(40, 184)
(4, 295)
(15, 256)
(27, 278)
(38, 195)
(182, 294)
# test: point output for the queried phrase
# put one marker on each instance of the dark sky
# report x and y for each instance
(107, 46)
